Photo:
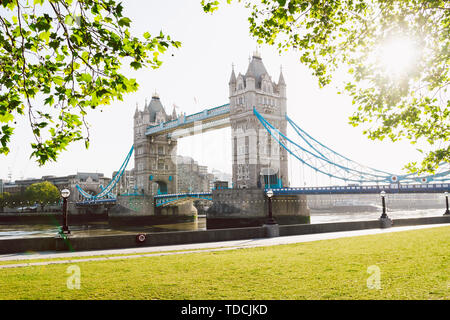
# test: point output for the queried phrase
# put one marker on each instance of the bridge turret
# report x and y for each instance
(155, 167)
(254, 152)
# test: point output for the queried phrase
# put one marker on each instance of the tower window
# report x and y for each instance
(246, 145)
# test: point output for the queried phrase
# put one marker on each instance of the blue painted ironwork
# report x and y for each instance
(96, 202)
(411, 177)
(165, 199)
(109, 195)
(107, 190)
(307, 138)
(328, 162)
(388, 188)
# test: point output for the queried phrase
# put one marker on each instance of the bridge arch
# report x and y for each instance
(159, 186)
(162, 187)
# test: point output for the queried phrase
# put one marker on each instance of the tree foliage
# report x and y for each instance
(411, 103)
(42, 192)
(4, 199)
(60, 58)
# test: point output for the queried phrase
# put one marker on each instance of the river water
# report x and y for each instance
(8, 231)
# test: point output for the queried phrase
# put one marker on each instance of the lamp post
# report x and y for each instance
(65, 193)
(383, 202)
(447, 212)
(269, 195)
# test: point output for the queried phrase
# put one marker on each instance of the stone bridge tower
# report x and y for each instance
(257, 159)
(154, 157)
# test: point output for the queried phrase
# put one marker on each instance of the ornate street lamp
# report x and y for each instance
(65, 193)
(269, 195)
(383, 202)
(447, 212)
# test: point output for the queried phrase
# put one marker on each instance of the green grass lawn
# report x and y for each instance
(413, 265)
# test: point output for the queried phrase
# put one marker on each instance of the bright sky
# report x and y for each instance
(196, 77)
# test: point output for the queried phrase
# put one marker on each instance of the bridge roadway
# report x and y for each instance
(392, 188)
(168, 199)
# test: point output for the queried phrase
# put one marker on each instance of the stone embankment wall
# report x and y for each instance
(249, 207)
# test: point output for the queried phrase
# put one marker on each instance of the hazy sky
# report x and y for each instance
(196, 77)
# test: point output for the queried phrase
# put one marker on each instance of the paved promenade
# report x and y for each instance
(188, 248)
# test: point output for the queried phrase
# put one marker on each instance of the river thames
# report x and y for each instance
(103, 228)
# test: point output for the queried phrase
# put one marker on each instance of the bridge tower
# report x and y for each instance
(154, 157)
(256, 160)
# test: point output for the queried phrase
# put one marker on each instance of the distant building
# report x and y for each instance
(192, 177)
(90, 182)
(222, 176)
(126, 184)
(221, 184)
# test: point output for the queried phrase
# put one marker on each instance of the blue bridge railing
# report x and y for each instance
(392, 188)
(164, 199)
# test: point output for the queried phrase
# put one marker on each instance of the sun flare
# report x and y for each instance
(398, 55)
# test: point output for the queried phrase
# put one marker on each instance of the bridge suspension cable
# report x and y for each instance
(106, 192)
(326, 161)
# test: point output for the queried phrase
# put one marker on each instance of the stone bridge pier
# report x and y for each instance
(141, 210)
(237, 208)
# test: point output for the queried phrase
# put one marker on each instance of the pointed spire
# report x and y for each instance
(174, 112)
(256, 68)
(281, 79)
(233, 76)
(256, 54)
(155, 95)
(146, 106)
(137, 110)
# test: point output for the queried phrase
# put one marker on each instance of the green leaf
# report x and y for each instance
(69, 20)
(124, 22)
(7, 117)
(58, 80)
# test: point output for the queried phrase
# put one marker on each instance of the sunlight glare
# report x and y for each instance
(398, 56)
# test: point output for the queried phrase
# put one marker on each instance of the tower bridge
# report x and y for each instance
(257, 115)
(253, 152)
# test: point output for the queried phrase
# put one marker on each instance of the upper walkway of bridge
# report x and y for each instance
(214, 118)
